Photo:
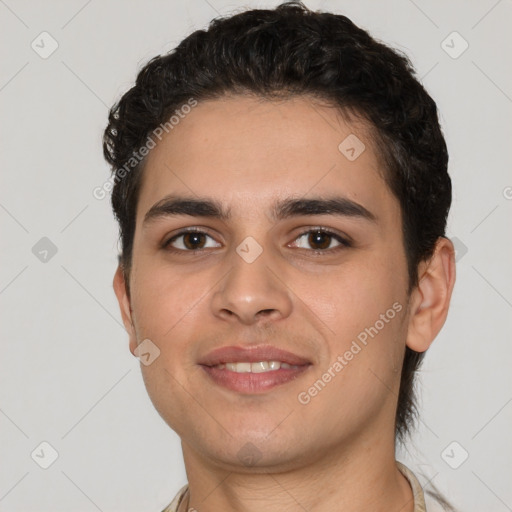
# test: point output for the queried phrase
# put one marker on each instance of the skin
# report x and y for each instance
(337, 452)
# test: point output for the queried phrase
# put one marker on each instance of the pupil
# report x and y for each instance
(317, 237)
(195, 237)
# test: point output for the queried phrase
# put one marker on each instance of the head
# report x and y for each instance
(262, 109)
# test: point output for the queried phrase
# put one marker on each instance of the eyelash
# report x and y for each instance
(344, 242)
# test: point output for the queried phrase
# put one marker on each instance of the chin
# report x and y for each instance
(252, 458)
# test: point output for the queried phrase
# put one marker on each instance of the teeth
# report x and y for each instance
(239, 367)
(259, 367)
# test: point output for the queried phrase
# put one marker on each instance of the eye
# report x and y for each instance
(321, 240)
(190, 240)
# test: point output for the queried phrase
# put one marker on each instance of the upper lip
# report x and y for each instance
(234, 354)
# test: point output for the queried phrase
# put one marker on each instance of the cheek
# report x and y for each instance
(171, 308)
(351, 298)
(165, 300)
(361, 309)
(363, 366)
(167, 308)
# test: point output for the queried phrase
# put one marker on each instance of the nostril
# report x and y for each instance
(265, 312)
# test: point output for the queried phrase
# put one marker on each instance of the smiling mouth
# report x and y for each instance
(252, 369)
(258, 367)
(253, 378)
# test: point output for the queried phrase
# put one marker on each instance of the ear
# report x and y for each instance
(431, 298)
(123, 299)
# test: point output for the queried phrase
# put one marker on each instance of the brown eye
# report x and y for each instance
(193, 240)
(189, 241)
(320, 240)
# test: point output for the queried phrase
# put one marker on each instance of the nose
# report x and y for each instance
(252, 292)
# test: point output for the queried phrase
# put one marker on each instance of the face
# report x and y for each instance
(281, 319)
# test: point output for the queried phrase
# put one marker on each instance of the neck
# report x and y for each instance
(338, 480)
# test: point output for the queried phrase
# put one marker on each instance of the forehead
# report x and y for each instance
(248, 151)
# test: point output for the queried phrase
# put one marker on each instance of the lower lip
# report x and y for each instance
(251, 383)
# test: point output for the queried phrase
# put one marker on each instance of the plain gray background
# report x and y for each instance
(67, 376)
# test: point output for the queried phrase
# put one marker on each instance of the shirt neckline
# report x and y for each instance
(417, 490)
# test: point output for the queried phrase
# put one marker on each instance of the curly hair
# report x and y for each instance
(292, 51)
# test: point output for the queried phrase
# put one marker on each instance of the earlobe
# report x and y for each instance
(431, 298)
(123, 299)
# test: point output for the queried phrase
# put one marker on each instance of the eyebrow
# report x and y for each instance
(209, 208)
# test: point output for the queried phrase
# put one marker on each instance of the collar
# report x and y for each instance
(417, 490)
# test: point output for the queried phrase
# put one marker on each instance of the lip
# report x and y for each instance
(252, 383)
(235, 354)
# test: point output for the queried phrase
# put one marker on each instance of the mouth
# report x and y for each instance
(259, 367)
(253, 370)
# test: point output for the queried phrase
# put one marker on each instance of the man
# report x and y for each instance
(281, 185)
